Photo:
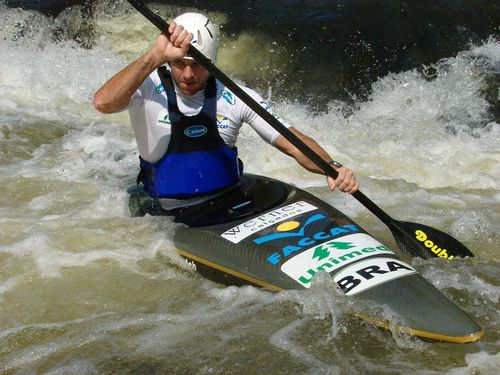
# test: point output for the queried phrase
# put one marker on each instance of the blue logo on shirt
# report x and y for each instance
(195, 131)
(264, 105)
(159, 88)
(228, 96)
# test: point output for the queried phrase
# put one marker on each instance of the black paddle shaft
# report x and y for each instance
(398, 229)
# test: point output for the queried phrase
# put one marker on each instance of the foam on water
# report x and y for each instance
(434, 132)
(478, 363)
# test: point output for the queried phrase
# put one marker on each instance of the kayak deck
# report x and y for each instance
(276, 236)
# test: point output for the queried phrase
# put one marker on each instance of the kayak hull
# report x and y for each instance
(274, 235)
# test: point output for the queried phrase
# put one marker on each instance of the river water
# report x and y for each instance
(405, 93)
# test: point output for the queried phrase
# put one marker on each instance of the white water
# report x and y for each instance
(86, 289)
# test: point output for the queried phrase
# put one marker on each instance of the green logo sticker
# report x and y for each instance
(332, 255)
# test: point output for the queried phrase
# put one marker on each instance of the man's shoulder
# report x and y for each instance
(153, 80)
(222, 87)
(225, 95)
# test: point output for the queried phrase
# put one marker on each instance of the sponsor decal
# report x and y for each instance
(163, 120)
(228, 96)
(299, 237)
(242, 231)
(267, 107)
(422, 237)
(332, 255)
(195, 131)
(371, 272)
(222, 122)
(159, 88)
(289, 226)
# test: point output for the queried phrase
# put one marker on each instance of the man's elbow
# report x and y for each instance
(102, 105)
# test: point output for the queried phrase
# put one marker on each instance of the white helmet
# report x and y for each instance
(204, 33)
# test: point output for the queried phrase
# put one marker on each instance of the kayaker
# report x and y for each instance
(186, 123)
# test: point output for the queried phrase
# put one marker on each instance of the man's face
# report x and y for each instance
(189, 76)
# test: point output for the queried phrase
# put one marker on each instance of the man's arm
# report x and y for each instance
(345, 181)
(115, 94)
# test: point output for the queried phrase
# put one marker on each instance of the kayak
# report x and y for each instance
(274, 235)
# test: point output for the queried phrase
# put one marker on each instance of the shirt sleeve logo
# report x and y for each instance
(268, 108)
(228, 96)
(159, 88)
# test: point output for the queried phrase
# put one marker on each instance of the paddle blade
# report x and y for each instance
(426, 242)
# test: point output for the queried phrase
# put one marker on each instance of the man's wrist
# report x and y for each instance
(152, 60)
(335, 163)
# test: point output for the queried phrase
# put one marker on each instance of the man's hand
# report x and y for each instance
(174, 47)
(115, 94)
(345, 181)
